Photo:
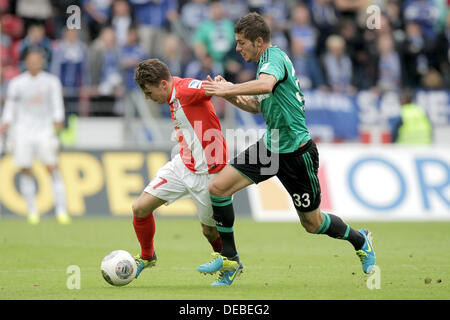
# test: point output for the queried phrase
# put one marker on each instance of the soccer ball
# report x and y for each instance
(119, 268)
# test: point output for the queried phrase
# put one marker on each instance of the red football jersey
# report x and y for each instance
(202, 145)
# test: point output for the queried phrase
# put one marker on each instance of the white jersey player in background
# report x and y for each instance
(34, 111)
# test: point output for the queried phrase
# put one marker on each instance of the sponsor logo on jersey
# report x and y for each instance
(264, 67)
(195, 84)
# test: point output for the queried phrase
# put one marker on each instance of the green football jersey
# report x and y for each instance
(283, 109)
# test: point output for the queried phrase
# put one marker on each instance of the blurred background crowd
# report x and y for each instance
(336, 46)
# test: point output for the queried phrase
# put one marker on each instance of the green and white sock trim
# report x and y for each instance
(220, 201)
(325, 223)
(225, 229)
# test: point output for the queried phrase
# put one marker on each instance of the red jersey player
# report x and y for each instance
(203, 153)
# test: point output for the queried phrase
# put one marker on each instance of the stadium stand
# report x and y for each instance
(351, 73)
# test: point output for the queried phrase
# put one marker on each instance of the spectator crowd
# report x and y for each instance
(337, 46)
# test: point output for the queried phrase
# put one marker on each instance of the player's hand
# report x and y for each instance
(216, 87)
(219, 78)
(244, 99)
(213, 88)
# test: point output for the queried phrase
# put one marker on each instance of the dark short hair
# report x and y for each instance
(33, 50)
(152, 72)
(406, 95)
(253, 26)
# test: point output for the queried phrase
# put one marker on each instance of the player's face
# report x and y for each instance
(34, 62)
(159, 93)
(246, 48)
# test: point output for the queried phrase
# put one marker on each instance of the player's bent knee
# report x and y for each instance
(309, 224)
(215, 190)
(311, 221)
(138, 210)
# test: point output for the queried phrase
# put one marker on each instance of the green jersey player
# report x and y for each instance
(286, 151)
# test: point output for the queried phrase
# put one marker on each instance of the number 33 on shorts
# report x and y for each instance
(301, 200)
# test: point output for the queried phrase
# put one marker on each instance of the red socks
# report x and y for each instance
(216, 245)
(145, 231)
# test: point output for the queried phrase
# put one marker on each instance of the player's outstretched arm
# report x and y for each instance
(263, 85)
(244, 102)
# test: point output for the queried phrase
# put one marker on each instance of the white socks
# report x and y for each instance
(59, 192)
(28, 190)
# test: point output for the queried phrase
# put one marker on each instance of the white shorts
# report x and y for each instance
(26, 150)
(174, 181)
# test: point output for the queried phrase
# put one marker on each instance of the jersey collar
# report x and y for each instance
(172, 95)
(265, 53)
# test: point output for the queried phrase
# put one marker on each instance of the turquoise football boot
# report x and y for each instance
(218, 263)
(142, 263)
(226, 278)
(366, 254)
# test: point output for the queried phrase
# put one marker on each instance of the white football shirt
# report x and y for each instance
(34, 104)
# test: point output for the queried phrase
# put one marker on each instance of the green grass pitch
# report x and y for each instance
(281, 261)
